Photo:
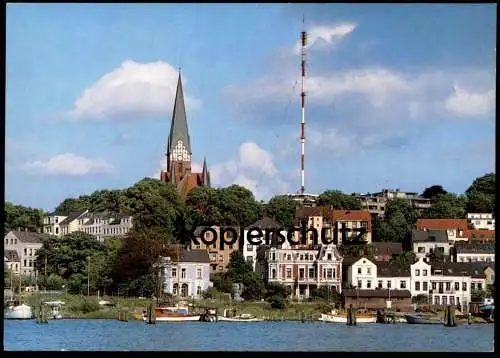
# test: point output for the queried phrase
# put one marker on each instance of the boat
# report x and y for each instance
(335, 317)
(174, 314)
(244, 317)
(54, 309)
(421, 319)
(17, 309)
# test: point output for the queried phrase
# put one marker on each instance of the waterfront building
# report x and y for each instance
(366, 273)
(25, 244)
(446, 283)
(481, 221)
(302, 269)
(100, 224)
(375, 202)
(426, 242)
(456, 229)
(248, 250)
(187, 276)
(474, 252)
(378, 299)
(219, 258)
(178, 169)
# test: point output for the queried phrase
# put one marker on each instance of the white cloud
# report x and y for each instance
(465, 103)
(69, 164)
(131, 91)
(326, 36)
(253, 168)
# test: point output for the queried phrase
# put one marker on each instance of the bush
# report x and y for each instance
(277, 302)
(277, 289)
(324, 307)
(90, 305)
(54, 282)
(211, 292)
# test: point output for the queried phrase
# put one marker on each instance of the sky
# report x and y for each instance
(399, 96)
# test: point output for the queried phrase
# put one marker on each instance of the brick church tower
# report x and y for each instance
(178, 171)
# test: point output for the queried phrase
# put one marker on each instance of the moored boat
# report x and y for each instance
(244, 317)
(18, 310)
(54, 309)
(335, 317)
(421, 319)
(174, 314)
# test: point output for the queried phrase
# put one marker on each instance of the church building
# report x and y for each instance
(179, 171)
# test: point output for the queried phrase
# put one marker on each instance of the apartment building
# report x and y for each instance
(481, 221)
(456, 229)
(375, 202)
(367, 274)
(219, 259)
(473, 252)
(426, 242)
(25, 244)
(102, 225)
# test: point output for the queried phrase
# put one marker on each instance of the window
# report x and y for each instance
(273, 273)
(311, 273)
(249, 247)
(379, 283)
(445, 300)
(472, 286)
(329, 256)
(424, 272)
(417, 272)
(329, 274)
(417, 286)
(389, 284)
(31, 252)
(301, 257)
(402, 284)
(369, 284)
(302, 274)
(198, 290)
(359, 269)
(198, 273)
(183, 273)
(31, 263)
(360, 284)
(25, 251)
(57, 219)
(457, 286)
(421, 250)
(434, 285)
(25, 263)
(174, 272)
(448, 286)
(369, 270)
(436, 300)
(464, 286)
(479, 286)
(425, 286)
(175, 289)
(288, 273)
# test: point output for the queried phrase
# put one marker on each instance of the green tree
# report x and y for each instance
(339, 200)
(449, 206)
(18, 217)
(433, 191)
(482, 194)
(238, 206)
(327, 293)
(203, 207)
(240, 271)
(73, 204)
(398, 222)
(404, 260)
(278, 289)
(282, 208)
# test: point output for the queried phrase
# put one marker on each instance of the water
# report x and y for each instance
(112, 335)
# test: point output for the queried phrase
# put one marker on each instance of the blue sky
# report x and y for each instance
(398, 96)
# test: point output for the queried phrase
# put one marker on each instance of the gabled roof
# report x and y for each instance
(351, 215)
(313, 211)
(264, 223)
(481, 234)
(380, 293)
(386, 269)
(459, 269)
(200, 256)
(429, 236)
(442, 224)
(72, 216)
(11, 255)
(29, 237)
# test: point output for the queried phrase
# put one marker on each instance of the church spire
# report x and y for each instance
(205, 174)
(178, 140)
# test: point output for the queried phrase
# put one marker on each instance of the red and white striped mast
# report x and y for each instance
(303, 42)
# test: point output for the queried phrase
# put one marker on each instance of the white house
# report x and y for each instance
(26, 244)
(248, 250)
(365, 274)
(474, 252)
(446, 283)
(57, 224)
(425, 242)
(483, 221)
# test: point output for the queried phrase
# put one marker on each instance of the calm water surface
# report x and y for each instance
(277, 336)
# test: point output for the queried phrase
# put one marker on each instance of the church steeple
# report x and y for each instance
(179, 144)
(205, 174)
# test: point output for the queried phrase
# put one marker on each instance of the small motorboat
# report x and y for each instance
(244, 317)
(421, 319)
(335, 317)
(174, 314)
(54, 309)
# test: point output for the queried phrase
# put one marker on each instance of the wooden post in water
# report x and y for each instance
(151, 314)
(449, 317)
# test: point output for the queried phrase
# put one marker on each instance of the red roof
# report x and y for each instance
(443, 224)
(352, 215)
(481, 235)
